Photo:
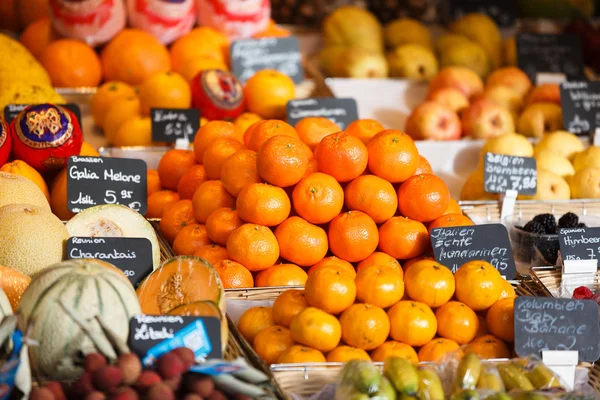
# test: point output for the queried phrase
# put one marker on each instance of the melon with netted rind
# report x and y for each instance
(31, 238)
(114, 220)
(16, 189)
(68, 306)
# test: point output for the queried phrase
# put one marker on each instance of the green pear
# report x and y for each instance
(412, 61)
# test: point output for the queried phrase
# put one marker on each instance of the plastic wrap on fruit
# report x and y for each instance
(489, 379)
(430, 384)
(403, 375)
(237, 19)
(468, 372)
(93, 21)
(45, 136)
(5, 142)
(217, 94)
(358, 379)
(167, 20)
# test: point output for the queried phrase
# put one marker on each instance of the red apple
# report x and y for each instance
(433, 121)
(484, 120)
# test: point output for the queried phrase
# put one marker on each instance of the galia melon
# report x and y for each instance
(15, 189)
(31, 238)
(114, 220)
(64, 294)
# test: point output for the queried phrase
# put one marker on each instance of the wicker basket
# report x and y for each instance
(258, 294)
(549, 279)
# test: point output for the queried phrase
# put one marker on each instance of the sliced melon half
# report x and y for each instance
(114, 220)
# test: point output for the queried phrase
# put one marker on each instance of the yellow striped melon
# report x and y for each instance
(16, 189)
(31, 238)
(68, 292)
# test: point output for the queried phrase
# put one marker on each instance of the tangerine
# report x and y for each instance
(507, 290)
(210, 196)
(412, 322)
(21, 168)
(234, 275)
(176, 217)
(423, 197)
(318, 198)
(342, 156)
(393, 156)
(403, 238)
(316, 328)
(478, 284)
(190, 181)
(436, 349)
(245, 120)
(265, 130)
(213, 253)
(38, 35)
(263, 204)
(337, 264)
(301, 242)
(500, 319)
(153, 182)
(267, 93)
(159, 201)
(381, 259)
(457, 322)
(216, 153)
(173, 165)
(272, 342)
(287, 305)
(199, 42)
(282, 160)
(392, 348)
(343, 354)
(450, 220)
(372, 195)
(301, 355)
(136, 131)
(220, 223)
(430, 283)
(330, 290)
(254, 320)
(311, 130)
(214, 130)
(453, 207)
(379, 285)
(424, 167)
(253, 246)
(238, 171)
(190, 239)
(364, 326)
(353, 236)
(105, 96)
(198, 64)
(71, 63)
(364, 129)
(165, 90)
(281, 275)
(488, 346)
(119, 111)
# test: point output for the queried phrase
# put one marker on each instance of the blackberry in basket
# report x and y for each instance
(569, 220)
(547, 221)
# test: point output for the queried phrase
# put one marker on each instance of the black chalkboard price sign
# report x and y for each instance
(133, 256)
(249, 56)
(96, 180)
(579, 243)
(170, 124)
(580, 103)
(151, 336)
(502, 173)
(12, 110)
(545, 323)
(456, 246)
(504, 12)
(550, 53)
(342, 111)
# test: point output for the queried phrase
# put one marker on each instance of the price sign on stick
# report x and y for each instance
(455, 246)
(503, 173)
(577, 244)
(133, 256)
(248, 56)
(340, 111)
(12, 110)
(170, 124)
(580, 103)
(543, 323)
(96, 180)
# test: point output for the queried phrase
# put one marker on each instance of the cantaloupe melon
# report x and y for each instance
(108, 265)
(13, 283)
(68, 292)
(180, 280)
(205, 309)
(16, 189)
(31, 238)
(114, 220)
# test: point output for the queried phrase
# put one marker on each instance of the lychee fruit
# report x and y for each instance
(57, 390)
(146, 380)
(170, 365)
(93, 362)
(201, 385)
(130, 366)
(186, 355)
(82, 386)
(95, 395)
(160, 391)
(125, 393)
(107, 378)
(41, 393)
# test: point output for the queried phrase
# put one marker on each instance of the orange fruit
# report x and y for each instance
(449, 220)
(216, 153)
(265, 130)
(165, 90)
(71, 63)
(210, 196)
(190, 239)
(105, 96)
(282, 160)
(58, 196)
(373, 196)
(194, 66)
(273, 30)
(364, 326)
(364, 129)
(175, 217)
(423, 197)
(21, 168)
(88, 150)
(136, 131)
(379, 285)
(254, 320)
(457, 322)
(190, 181)
(132, 56)
(199, 42)
(159, 201)
(453, 207)
(272, 342)
(482, 330)
(263, 204)
(330, 290)
(238, 171)
(412, 322)
(119, 111)
(173, 164)
(301, 355)
(311, 130)
(393, 156)
(287, 305)
(318, 198)
(500, 319)
(245, 120)
(424, 167)
(317, 329)
(430, 283)
(342, 156)
(488, 346)
(301, 242)
(478, 284)
(403, 238)
(153, 182)
(30, 11)
(353, 236)
(211, 131)
(253, 246)
(312, 168)
(213, 253)
(337, 264)
(37, 36)
(250, 129)
(507, 290)
(343, 354)
(267, 93)
(437, 348)
(380, 259)
(392, 348)
(281, 275)
(234, 275)
(220, 223)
